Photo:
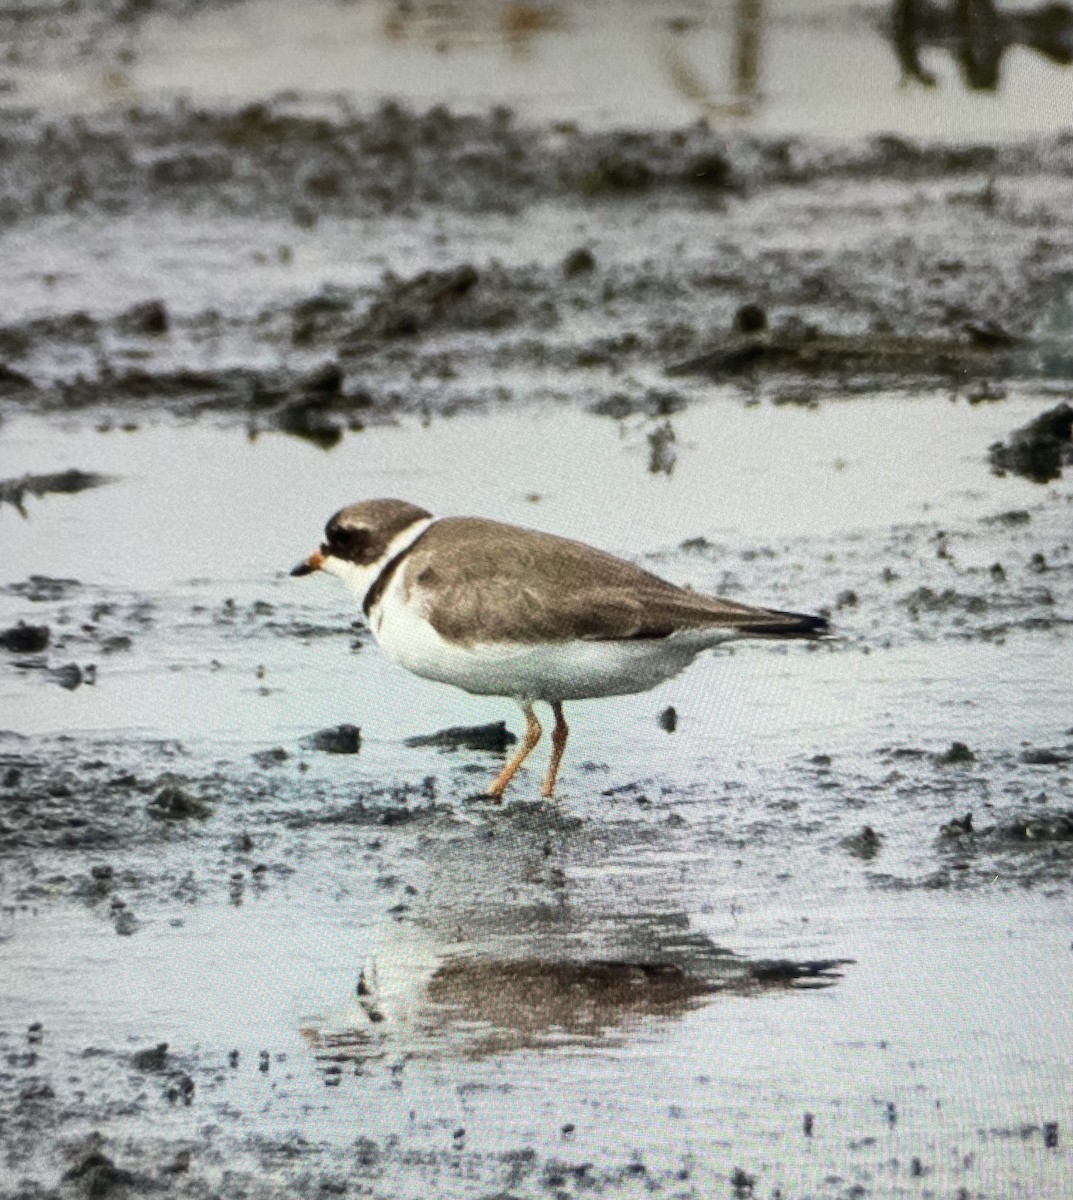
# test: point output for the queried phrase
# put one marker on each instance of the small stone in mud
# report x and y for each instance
(1012, 518)
(181, 1088)
(25, 639)
(149, 317)
(125, 923)
(306, 418)
(742, 1182)
(750, 318)
(661, 452)
(494, 737)
(153, 1059)
(69, 676)
(179, 1165)
(98, 1174)
(618, 406)
(1042, 757)
(986, 393)
(271, 758)
(990, 335)
(668, 719)
(173, 804)
(325, 380)
(339, 739)
(864, 844)
(581, 261)
(958, 753)
(958, 827)
(1040, 449)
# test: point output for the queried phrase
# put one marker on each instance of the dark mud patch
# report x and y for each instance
(494, 737)
(66, 483)
(271, 158)
(340, 739)
(25, 639)
(856, 361)
(1040, 450)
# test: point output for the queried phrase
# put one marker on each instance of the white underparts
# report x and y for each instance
(574, 670)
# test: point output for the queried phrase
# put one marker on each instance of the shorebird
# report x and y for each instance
(499, 610)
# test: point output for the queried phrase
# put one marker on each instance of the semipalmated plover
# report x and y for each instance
(503, 611)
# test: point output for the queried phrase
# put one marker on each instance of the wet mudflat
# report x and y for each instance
(799, 923)
(806, 908)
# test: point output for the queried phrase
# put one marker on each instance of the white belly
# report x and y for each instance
(576, 670)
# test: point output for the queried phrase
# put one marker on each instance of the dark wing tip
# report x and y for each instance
(793, 625)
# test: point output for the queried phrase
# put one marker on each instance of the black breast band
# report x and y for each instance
(387, 573)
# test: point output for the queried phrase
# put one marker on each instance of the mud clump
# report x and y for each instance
(494, 737)
(15, 491)
(1042, 756)
(41, 588)
(1040, 449)
(154, 1058)
(70, 676)
(148, 319)
(581, 261)
(410, 307)
(339, 739)
(803, 350)
(957, 754)
(97, 1175)
(25, 639)
(865, 844)
(173, 804)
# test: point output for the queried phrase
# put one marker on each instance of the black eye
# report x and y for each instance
(343, 540)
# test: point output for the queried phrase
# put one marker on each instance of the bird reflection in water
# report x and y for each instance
(536, 979)
(977, 34)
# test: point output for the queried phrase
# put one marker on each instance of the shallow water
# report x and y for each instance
(769, 67)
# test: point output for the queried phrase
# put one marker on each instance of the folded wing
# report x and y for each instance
(518, 585)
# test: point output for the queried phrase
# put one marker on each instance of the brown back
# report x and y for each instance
(485, 581)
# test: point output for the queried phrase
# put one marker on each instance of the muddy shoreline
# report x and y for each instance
(935, 266)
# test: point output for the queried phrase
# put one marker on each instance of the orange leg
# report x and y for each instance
(532, 736)
(558, 744)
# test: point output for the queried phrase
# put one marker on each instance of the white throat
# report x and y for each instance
(360, 579)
